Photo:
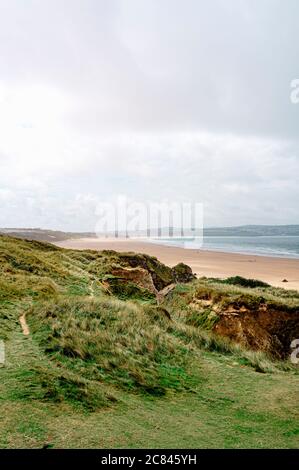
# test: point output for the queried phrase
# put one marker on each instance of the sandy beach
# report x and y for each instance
(204, 263)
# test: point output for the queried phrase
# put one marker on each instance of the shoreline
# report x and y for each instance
(245, 253)
(207, 263)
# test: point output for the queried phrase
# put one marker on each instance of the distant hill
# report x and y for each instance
(44, 235)
(253, 230)
(240, 231)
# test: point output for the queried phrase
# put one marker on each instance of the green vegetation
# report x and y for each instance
(103, 355)
(260, 318)
(216, 291)
(128, 290)
(242, 281)
(206, 318)
(110, 341)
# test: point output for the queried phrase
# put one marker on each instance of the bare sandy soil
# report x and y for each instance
(204, 263)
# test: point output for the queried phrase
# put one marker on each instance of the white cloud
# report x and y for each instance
(239, 179)
(155, 100)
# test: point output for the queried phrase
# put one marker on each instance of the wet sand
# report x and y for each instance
(204, 263)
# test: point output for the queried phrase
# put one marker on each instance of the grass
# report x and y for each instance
(243, 282)
(149, 375)
(107, 340)
(261, 318)
(129, 290)
(231, 406)
(220, 292)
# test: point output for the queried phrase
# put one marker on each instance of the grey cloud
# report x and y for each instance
(172, 99)
(139, 65)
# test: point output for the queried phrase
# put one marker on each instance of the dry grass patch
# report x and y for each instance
(111, 341)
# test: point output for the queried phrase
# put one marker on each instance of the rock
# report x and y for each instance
(269, 329)
(182, 273)
(139, 276)
(160, 273)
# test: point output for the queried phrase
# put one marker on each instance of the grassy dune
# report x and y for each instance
(107, 366)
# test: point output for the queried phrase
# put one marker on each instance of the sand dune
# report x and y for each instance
(204, 263)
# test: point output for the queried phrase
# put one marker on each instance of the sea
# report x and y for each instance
(278, 246)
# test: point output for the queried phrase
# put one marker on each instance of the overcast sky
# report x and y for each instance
(173, 100)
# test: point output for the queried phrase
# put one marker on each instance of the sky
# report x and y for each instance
(150, 100)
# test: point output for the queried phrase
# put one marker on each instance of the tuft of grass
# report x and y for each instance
(244, 282)
(129, 290)
(30, 376)
(63, 386)
(205, 318)
(110, 341)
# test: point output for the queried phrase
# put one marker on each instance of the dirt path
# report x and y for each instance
(25, 327)
(91, 290)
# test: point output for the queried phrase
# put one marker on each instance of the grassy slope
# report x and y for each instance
(211, 400)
